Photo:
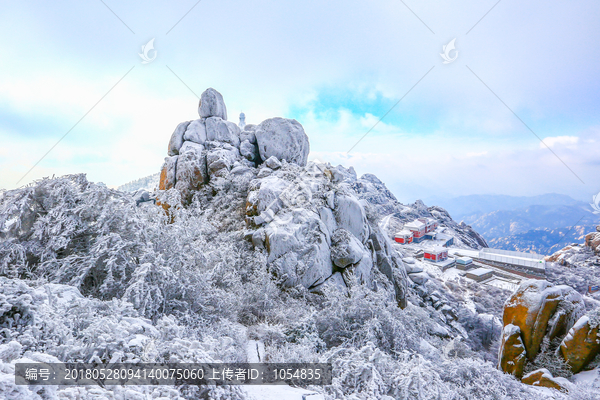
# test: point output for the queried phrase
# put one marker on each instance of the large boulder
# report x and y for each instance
(345, 249)
(220, 130)
(390, 264)
(512, 355)
(592, 240)
(542, 377)
(350, 215)
(212, 105)
(328, 219)
(419, 277)
(533, 306)
(283, 138)
(196, 131)
(582, 343)
(248, 150)
(168, 173)
(361, 272)
(191, 169)
(298, 250)
(248, 135)
(177, 139)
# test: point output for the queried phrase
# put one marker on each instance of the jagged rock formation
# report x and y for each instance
(307, 217)
(539, 311)
(316, 231)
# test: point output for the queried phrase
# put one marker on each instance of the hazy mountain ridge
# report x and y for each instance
(542, 241)
(505, 223)
(471, 207)
(541, 223)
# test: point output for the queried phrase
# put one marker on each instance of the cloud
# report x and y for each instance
(357, 62)
(477, 154)
(556, 141)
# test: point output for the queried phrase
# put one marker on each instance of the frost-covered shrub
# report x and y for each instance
(369, 373)
(85, 275)
(367, 316)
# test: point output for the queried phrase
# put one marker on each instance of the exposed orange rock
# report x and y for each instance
(543, 377)
(581, 344)
(162, 183)
(593, 240)
(512, 351)
(166, 181)
(532, 307)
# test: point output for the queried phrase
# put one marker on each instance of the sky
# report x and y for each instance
(515, 113)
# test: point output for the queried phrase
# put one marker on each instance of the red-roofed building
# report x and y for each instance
(404, 236)
(436, 254)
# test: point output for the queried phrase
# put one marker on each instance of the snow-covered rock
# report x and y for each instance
(298, 250)
(219, 130)
(412, 268)
(419, 277)
(582, 343)
(212, 105)
(539, 308)
(512, 356)
(248, 134)
(220, 160)
(542, 377)
(283, 138)
(248, 150)
(350, 215)
(177, 138)
(266, 195)
(196, 131)
(191, 169)
(272, 162)
(345, 248)
(168, 173)
(362, 272)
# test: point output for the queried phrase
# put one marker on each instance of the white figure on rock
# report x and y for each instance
(242, 123)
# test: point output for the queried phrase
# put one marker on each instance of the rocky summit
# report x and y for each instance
(308, 218)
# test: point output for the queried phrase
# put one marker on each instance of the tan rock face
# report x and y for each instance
(512, 353)
(593, 240)
(532, 308)
(543, 377)
(162, 183)
(558, 255)
(581, 345)
(168, 173)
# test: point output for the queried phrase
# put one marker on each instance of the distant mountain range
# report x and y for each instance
(542, 241)
(149, 183)
(542, 224)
